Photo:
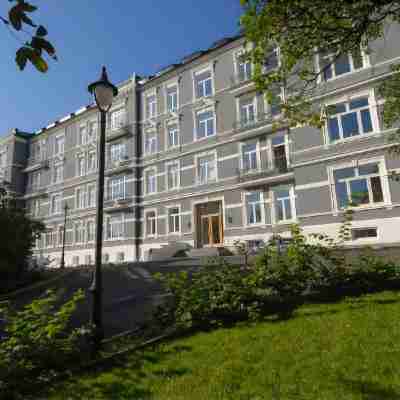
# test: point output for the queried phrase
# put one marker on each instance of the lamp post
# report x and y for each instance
(103, 92)
(62, 265)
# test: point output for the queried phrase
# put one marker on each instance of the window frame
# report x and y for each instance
(321, 78)
(239, 111)
(178, 179)
(258, 156)
(146, 176)
(214, 119)
(115, 184)
(372, 106)
(198, 157)
(168, 125)
(209, 67)
(56, 210)
(150, 115)
(166, 88)
(56, 144)
(117, 118)
(178, 216)
(155, 219)
(383, 174)
(237, 63)
(292, 199)
(245, 194)
(154, 134)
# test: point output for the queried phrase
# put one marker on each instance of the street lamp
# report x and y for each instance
(103, 92)
(62, 265)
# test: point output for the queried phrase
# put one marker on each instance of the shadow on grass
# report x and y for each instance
(370, 390)
(122, 378)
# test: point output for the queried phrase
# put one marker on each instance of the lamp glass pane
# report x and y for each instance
(104, 96)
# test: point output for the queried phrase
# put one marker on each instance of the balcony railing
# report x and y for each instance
(117, 166)
(117, 203)
(238, 79)
(117, 131)
(280, 167)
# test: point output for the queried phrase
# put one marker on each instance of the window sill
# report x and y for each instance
(360, 137)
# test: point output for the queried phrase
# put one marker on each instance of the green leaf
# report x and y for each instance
(21, 57)
(40, 44)
(41, 31)
(14, 15)
(38, 62)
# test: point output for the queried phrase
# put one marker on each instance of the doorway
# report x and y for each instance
(209, 224)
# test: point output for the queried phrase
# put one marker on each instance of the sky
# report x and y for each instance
(127, 36)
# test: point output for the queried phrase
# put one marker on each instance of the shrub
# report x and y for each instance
(276, 283)
(37, 345)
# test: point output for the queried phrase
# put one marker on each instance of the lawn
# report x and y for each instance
(346, 350)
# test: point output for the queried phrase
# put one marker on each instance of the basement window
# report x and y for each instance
(364, 233)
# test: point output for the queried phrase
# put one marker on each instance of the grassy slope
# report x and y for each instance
(348, 350)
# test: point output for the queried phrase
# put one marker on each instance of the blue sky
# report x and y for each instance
(127, 36)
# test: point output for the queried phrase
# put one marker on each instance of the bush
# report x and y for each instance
(37, 345)
(276, 283)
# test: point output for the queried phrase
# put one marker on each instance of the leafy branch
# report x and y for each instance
(34, 49)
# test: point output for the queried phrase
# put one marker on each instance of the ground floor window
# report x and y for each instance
(150, 223)
(254, 207)
(284, 204)
(174, 220)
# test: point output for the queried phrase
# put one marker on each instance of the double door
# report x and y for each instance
(211, 229)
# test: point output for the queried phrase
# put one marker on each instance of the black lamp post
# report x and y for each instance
(103, 92)
(62, 264)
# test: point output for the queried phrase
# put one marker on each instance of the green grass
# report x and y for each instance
(347, 350)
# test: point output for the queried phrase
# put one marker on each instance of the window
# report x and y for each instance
(276, 102)
(349, 119)
(151, 223)
(244, 68)
(151, 182)
(364, 233)
(205, 122)
(174, 220)
(115, 228)
(283, 205)
(173, 135)
(81, 166)
(358, 186)
(117, 152)
(151, 106)
(80, 198)
(75, 260)
(90, 231)
(332, 66)
(249, 156)
(150, 145)
(117, 188)
(272, 59)
(79, 232)
(173, 176)
(58, 173)
(82, 135)
(117, 119)
(91, 191)
(247, 111)
(60, 235)
(203, 84)
(88, 259)
(35, 180)
(206, 169)
(56, 204)
(35, 207)
(172, 98)
(59, 145)
(120, 257)
(3, 160)
(92, 162)
(254, 208)
(92, 131)
(279, 154)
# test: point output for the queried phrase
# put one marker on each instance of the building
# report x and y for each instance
(193, 156)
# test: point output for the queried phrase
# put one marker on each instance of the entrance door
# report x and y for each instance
(211, 228)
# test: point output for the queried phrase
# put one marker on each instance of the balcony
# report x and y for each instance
(34, 191)
(116, 132)
(251, 123)
(116, 167)
(37, 163)
(240, 79)
(121, 203)
(279, 172)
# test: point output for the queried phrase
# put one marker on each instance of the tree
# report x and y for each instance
(18, 20)
(303, 28)
(17, 238)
